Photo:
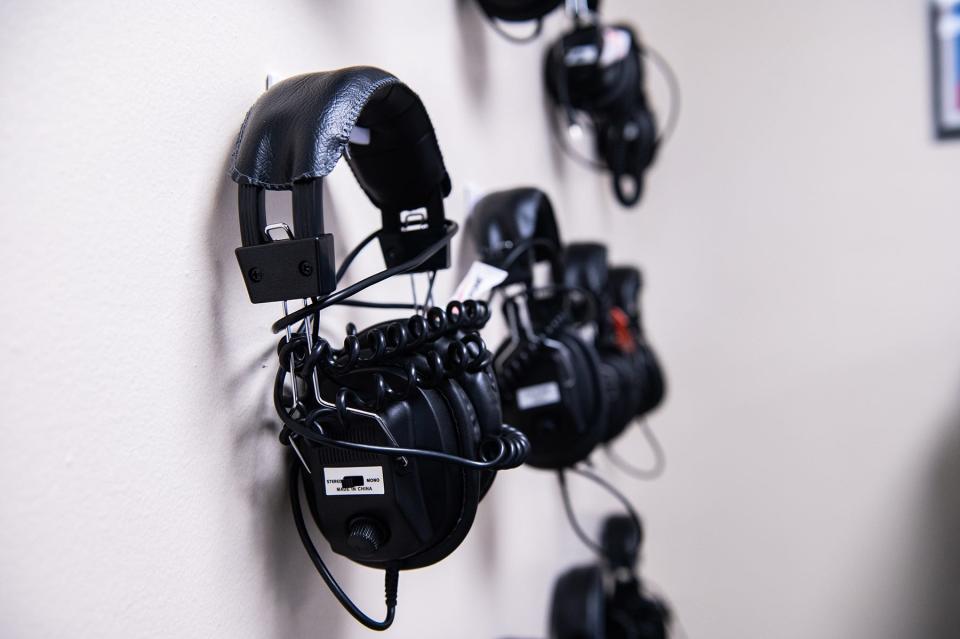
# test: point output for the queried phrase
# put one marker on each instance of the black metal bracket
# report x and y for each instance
(286, 269)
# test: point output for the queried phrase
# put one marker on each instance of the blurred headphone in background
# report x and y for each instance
(551, 383)
(398, 430)
(568, 392)
(597, 69)
(525, 11)
(607, 600)
(635, 381)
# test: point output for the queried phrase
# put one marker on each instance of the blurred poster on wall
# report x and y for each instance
(945, 32)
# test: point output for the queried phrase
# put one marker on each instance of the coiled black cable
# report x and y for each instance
(379, 345)
(512, 446)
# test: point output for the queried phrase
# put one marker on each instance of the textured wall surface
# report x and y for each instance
(799, 238)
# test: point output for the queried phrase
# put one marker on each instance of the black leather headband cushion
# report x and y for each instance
(503, 219)
(299, 129)
(585, 266)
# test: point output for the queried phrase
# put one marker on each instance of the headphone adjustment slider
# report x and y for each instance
(288, 269)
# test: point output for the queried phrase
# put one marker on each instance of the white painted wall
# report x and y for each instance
(799, 237)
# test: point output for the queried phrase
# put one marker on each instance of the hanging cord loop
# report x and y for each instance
(571, 517)
(391, 578)
(656, 470)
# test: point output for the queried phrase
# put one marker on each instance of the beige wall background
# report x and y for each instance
(799, 239)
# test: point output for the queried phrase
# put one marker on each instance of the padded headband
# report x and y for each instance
(298, 130)
(294, 135)
(504, 220)
(585, 266)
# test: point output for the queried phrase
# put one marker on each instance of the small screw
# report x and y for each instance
(255, 274)
(306, 269)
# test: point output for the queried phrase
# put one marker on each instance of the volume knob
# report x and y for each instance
(365, 536)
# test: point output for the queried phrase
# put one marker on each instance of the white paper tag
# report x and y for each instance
(616, 46)
(353, 480)
(538, 395)
(360, 135)
(480, 279)
(581, 55)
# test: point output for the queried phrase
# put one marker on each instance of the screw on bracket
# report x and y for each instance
(255, 274)
(306, 268)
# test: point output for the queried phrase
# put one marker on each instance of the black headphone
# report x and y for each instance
(606, 600)
(598, 69)
(518, 10)
(551, 383)
(634, 379)
(399, 429)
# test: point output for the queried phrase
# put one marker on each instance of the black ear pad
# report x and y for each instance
(591, 384)
(541, 390)
(629, 396)
(467, 430)
(481, 388)
(654, 384)
(590, 391)
(578, 605)
(423, 510)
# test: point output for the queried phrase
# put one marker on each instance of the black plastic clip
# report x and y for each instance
(295, 268)
(400, 243)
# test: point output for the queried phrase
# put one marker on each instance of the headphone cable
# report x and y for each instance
(673, 88)
(659, 456)
(391, 578)
(516, 39)
(571, 517)
(338, 296)
(352, 255)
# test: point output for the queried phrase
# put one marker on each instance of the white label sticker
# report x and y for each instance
(480, 279)
(353, 480)
(581, 55)
(538, 395)
(359, 135)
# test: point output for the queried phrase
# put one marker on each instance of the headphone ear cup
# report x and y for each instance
(563, 429)
(654, 382)
(578, 606)
(594, 389)
(463, 439)
(484, 394)
(630, 392)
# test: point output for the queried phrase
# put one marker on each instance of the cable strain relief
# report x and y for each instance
(390, 584)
